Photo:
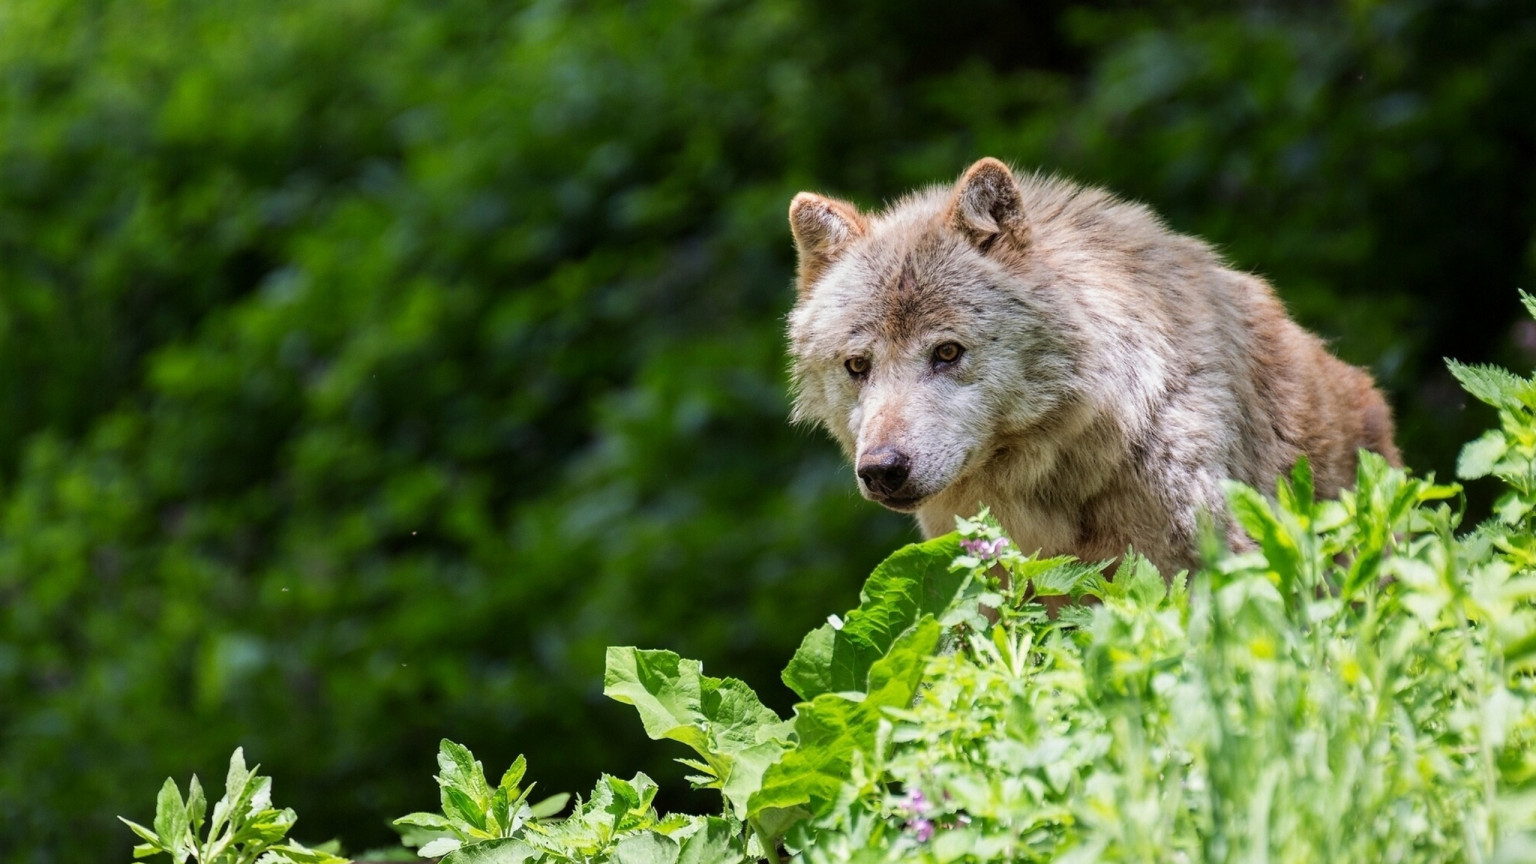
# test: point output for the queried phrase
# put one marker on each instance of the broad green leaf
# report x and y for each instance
(1480, 457)
(549, 806)
(833, 726)
(894, 678)
(1518, 650)
(414, 836)
(499, 815)
(507, 850)
(1137, 582)
(514, 774)
(260, 793)
(1295, 494)
(665, 694)
(143, 832)
(265, 826)
(465, 795)
(440, 846)
(737, 718)
(646, 848)
(1494, 385)
(461, 809)
(1275, 538)
(238, 784)
(458, 768)
(774, 822)
(434, 821)
(746, 774)
(1053, 577)
(238, 776)
(915, 581)
(677, 701)
(809, 672)
(623, 797)
(718, 841)
(171, 821)
(721, 719)
(638, 792)
(242, 788)
(197, 806)
(1512, 509)
(293, 853)
(829, 728)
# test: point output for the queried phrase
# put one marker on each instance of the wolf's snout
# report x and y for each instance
(884, 471)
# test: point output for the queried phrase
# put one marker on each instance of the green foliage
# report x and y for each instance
(1354, 686)
(914, 582)
(616, 823)
(472, 810)
(1292, 707)
(370, 366)
(735, 735)
(378, 416)
(245, 827)
(1296, 705)
(1508, 452)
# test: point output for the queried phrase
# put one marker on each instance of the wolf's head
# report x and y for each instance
(925, 337)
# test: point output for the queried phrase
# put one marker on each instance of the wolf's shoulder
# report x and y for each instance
(1065, 212)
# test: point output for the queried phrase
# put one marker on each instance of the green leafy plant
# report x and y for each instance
(1353, 684)
(245, 827)
(472, 809)
(317, 319)
(1348, 689)
(616, 822)
(1507, 452)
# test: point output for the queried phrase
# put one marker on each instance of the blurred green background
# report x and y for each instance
(367, 366)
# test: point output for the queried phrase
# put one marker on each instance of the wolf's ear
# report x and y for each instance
(823, 228)
(988, 206)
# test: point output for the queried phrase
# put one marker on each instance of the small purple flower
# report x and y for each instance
(922, 829)
(986, 550)
(917, 806)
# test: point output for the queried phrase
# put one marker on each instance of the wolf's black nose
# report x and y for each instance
(884, 470)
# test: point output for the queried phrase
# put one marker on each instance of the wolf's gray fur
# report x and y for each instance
(1062, 357)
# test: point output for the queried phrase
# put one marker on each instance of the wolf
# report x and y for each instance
(1062, 357)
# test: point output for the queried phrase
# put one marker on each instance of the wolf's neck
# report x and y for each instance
(1038, 482)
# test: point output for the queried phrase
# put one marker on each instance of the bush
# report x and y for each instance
(1355, 687)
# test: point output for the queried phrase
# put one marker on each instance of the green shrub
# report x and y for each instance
(1356, 687)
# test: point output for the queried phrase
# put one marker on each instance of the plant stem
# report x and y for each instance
(770, 848)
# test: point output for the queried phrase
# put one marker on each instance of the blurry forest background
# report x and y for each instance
(368, 366)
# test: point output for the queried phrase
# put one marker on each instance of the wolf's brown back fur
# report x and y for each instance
(1061, 356)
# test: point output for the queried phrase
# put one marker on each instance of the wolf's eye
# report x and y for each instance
(947, 353)
(858, 367)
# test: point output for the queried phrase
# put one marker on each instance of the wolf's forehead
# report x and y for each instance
(910, 295)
